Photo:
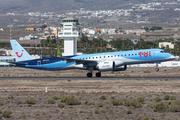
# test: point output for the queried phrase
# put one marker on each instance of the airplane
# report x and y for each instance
(110, 61)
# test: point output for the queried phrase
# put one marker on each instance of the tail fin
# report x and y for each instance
(19, 52)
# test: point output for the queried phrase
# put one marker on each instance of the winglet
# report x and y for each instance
(19, 52)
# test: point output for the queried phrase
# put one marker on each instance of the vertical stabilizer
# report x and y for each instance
(19, 52)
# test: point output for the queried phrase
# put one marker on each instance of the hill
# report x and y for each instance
(60, 5)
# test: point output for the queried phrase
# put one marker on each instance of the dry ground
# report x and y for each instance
(87, 90)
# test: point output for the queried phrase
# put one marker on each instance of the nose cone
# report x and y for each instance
(172, 57)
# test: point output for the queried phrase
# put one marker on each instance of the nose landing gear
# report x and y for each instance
(157, 69)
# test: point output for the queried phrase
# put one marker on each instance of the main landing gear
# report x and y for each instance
(89, 74)
(98, 74)
(157, 69)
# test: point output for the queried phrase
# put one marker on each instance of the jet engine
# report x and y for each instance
(111, 66)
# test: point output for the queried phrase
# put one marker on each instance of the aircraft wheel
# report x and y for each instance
(89, 74)
(98, 74)
(157, 69)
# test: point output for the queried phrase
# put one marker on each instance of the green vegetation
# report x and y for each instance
(166, 97)
(31, 101)
(10, 97)
(146, 118)
(70, 100)
(6, 113)
(2, 103)
(0, 112)
(140, 99)
(87, 117)
(61, 105)
(96, 111)
(175, 106)
(56, 97)
(172, 97)
(160, 107)
(102, 97)
(116, 102)
(157, 99)
(128, 112)
(50, 101)
(156, 28)
(133, 103)
(147, 71)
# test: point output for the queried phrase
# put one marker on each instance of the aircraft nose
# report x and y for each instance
(172, 57)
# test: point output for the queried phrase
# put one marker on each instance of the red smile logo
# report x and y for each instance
(19, 55)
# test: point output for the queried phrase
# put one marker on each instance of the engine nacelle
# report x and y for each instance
(106, 66)
(121, 68)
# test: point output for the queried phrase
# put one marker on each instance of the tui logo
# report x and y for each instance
(19, 55)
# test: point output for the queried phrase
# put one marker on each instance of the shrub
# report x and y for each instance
(50, 101)
(64, 98)
(172, 97)
(128, 112)
(2, 103)
(133, 103)
(99, 104)
(146, 118)
(112, 98)
(140, 99)
(0, 111)
(160, 107)
(116, 102)
(86, 102)
(153, 119)
(87, 117)
(55, 97)
(158, 99)
(6, 114)
(71, 100)
(61, 105)
(166, 97)
(169, 102)
(10, 97)
(102, 97)
(96, 111)
(31, 101)
(175, 106)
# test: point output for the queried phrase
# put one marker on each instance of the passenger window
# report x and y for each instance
(132, 54)
(121, 55)
(118, 55)
(104, 56)
(115, 56)
(111, 56)
(125, 55)
(129, 54)
(108, 56)
(96, 57)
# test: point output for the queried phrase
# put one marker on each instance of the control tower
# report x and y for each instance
(69, 32)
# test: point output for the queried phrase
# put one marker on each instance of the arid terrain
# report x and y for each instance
(95, 99)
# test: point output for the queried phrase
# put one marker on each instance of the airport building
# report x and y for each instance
(5, 59)
(69, 32)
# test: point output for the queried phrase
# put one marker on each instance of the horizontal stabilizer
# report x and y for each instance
(17, 63)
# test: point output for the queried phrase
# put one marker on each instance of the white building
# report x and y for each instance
(165, 44)
(69, 32)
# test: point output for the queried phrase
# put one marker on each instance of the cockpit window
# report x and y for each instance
(163, 52)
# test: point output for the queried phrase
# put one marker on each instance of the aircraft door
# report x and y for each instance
(39, 63)
(153, 54)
